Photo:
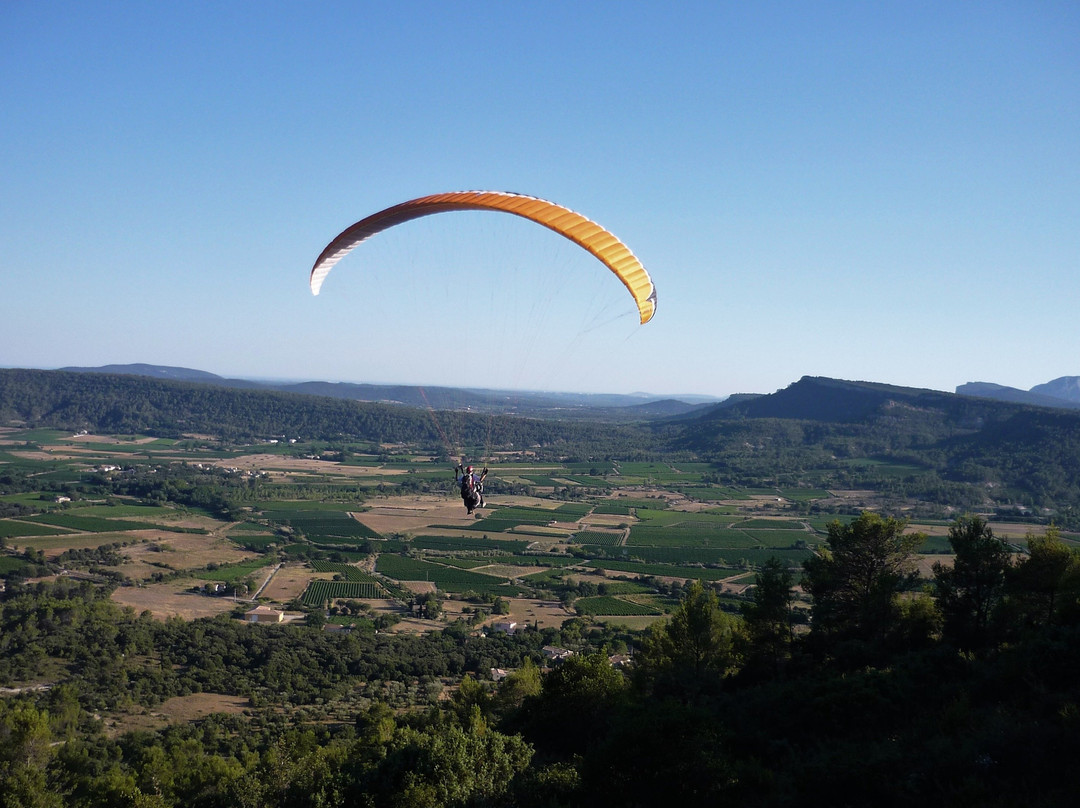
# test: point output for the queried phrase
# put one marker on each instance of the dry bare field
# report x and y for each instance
(273, 462)
(110, 439)
(509, 571)
(52, 546)
(632, 622)
(177, 710)
(419, 587)
(180, 551)
(413, 514)
(291, 580)
(544, 614)
(169, 599)
(609, 520)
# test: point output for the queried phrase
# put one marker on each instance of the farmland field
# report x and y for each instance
(672, 518)
(348, 571)
(771, 524)
(449, 579)
(598, 537)
(9, 564)
(650, 536)
(319, 592)
(314, 515)
(234, 572)
(92, 524)
(666, 570)
(673, 555)
(577, 509)
(329, 526)
(10, 529)
(607, 605)
(616, 509)
(467, 543)
(255, 543)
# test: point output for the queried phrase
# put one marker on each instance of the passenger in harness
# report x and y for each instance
(472, 487)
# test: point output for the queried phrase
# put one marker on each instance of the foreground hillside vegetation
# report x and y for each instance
(689, 622)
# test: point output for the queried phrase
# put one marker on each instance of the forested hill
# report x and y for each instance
(136, 404)
(599, 406)
(936, 446)
(891, 418)
(817, 398)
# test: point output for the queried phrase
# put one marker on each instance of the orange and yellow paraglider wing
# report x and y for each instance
(584, 232)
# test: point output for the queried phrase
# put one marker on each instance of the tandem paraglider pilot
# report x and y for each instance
(472, 486)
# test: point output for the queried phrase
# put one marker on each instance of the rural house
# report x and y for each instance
(264, 614)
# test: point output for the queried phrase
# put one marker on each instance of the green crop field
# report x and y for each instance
(657, 504)
(30, 498)
(691, 468)
(347, 571)
(449, 579)
(525, 516)
(489, 524)
(698, 536)
(803, 494)
(255, 543)
(320, 592)
(285, 508)
(10, 529)
(472, 563)
(539, 479)
(757, 556)
(624, 588)
(126, 510)
(709, 518)
(936, 544)
(675, 555)
(42, 435)
(597, 537)
(228, 573)
(771, 524)
(93, 524)
(614, 509)
(324, 525)
(466, 543)
(578, 509)
(605, 605)
(780, 538)
(665, 570)
(9, 564)
(727, 556)
(592, 482)
(710, 493)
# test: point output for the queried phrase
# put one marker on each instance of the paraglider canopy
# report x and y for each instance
(584, 232)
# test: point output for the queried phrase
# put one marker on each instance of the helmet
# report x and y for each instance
(468, 469)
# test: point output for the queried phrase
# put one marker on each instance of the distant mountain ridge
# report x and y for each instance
(613, 405)
(818, 398)
(154, 371)
(1066, 387)
(1063, 393)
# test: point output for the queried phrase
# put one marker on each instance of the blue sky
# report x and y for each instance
(876, 191)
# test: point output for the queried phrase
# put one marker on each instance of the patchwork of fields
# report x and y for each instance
(363, 536)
